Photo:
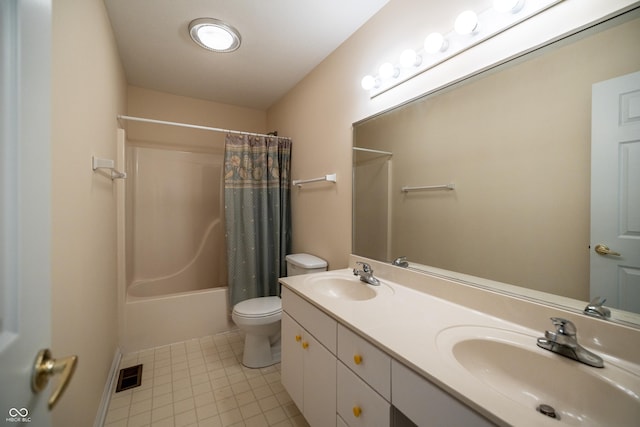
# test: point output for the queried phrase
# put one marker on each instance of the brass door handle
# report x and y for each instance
(604, 250)
(45, 367)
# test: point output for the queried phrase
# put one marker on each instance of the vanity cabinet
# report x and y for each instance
(308, 359)
(338, 378)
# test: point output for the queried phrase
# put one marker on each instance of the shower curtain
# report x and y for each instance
(257, 214)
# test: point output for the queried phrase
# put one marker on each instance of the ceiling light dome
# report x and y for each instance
(213, 34)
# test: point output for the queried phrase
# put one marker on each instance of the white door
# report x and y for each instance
(615, 192)
(25, 214)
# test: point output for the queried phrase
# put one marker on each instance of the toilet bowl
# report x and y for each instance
(259, 318)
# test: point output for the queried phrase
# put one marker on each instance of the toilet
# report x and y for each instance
(259, 318)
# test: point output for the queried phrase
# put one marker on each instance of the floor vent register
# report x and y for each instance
(129, 378)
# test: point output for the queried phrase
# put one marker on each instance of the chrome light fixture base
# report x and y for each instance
(214, 35)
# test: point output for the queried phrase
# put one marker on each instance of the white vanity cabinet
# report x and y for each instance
(338, 378)
(308, 359)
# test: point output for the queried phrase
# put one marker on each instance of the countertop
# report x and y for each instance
(406, 321)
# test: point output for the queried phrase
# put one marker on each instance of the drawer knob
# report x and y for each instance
(357, 411)
(357, 359)
(305, 345)
(298, 338)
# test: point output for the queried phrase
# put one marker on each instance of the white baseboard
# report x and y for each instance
(108, 389)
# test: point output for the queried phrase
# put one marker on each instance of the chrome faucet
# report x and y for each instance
(366, 274)
(564, 341)
(595, 308)
(401, 261)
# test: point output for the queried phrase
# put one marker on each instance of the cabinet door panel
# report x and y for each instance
(319, 384)
(292, 359)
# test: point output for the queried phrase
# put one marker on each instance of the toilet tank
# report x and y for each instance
(304, 264)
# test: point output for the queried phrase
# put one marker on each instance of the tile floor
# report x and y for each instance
(201, 382)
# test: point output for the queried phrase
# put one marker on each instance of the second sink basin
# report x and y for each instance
(344, 287)
(511, 364)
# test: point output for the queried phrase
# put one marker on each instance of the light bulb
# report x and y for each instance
(409, 58)
(435, 42)
(387, 70)
(368, 82)
(215, 37)
(466, 22)
(504, 6)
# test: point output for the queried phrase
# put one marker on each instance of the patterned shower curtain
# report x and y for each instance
(257, 213)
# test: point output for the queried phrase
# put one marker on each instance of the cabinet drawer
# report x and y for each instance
(366, 360)
(320, 325)
(426, 404)
(358, 404)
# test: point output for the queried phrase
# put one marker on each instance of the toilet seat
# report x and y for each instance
(258, 307)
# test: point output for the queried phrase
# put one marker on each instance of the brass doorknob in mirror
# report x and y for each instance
(604, 250)
(45, 367)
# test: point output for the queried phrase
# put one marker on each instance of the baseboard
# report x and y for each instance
(108, 389)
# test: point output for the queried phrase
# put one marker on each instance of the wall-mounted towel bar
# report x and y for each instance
(98, 163)
(451, 186)
(370, 150)
(330, 178)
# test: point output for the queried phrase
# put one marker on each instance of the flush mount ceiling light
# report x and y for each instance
(215, 35)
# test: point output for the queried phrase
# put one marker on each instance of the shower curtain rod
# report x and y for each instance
(186, 125)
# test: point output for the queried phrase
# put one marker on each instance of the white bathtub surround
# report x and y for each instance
(201, 382)
(155, 321)
(171, 249)
(410, 325)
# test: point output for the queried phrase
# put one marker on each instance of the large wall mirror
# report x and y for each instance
(516, 143)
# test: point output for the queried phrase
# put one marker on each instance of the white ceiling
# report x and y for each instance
(282, 40)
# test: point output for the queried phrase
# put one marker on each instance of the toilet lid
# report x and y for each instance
(258, 307)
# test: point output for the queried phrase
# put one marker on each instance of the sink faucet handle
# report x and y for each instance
(595, 308)
(564, 327)
(401, 261)
(365, 267)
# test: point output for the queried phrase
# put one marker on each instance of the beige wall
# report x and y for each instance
(88, 90)
(319, 111)
(164, 106)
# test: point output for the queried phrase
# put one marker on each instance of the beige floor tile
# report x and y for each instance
(202, 383)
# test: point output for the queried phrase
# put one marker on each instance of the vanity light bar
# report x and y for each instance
(489, 23)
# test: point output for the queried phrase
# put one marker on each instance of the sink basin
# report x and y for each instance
(346, 287)
(511, 364)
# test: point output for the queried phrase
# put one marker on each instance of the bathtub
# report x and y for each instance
(152, 321)
(171, 250)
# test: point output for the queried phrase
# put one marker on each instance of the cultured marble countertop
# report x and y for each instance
(405, 321)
